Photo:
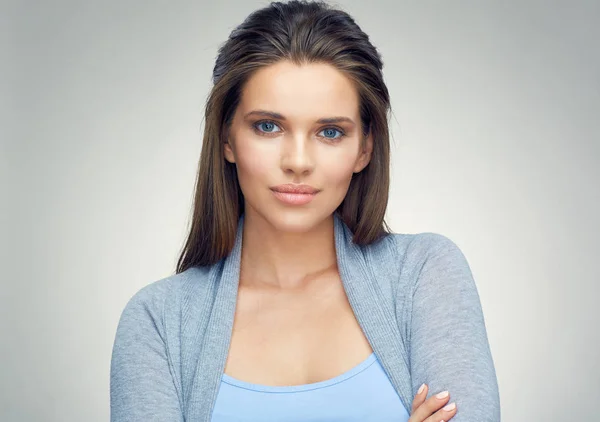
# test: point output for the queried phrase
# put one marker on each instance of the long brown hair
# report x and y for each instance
(301, 32)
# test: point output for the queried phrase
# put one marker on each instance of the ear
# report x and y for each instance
(228, 152)
(365, 155)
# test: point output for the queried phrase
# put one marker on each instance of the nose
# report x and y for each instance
(297, 155)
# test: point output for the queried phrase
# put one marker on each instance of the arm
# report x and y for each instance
(449, 348)
(141, 384)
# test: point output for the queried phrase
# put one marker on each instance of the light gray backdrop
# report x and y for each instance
(496, 145)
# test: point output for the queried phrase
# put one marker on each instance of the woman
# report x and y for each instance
(292, 300)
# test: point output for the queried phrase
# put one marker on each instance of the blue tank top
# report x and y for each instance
(363, 393)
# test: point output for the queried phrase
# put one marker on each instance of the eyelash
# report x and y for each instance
(260, 132)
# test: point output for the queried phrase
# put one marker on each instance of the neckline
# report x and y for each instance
(301, 387)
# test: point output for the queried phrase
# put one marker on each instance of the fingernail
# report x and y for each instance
(450, 406)
(442, 395)
(421, 388)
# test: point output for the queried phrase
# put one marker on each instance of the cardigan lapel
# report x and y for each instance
(371, 310)
(215, 349)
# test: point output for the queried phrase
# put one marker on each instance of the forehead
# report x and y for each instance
(308, 91)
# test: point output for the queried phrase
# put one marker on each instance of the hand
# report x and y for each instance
(427, 410)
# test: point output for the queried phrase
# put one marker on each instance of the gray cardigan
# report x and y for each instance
(413, 295)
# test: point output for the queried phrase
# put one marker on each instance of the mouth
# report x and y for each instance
(295, 188)
(294, 194)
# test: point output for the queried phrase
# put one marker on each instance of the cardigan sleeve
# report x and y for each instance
(141, 383)
(449, 347)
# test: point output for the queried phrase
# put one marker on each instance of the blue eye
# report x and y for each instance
(331, 131)
(268, 125)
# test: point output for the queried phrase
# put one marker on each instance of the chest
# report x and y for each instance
(295, 337)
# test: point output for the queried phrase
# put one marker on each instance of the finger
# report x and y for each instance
(430, 406)
(444, 414)
(419, 397)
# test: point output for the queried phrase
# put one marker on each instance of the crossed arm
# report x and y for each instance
(449, 348)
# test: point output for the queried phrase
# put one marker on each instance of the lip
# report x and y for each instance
(294, 194)
(294, 188)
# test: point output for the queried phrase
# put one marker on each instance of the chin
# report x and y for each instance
(292, 219)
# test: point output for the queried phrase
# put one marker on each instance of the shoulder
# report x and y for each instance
(414, 249)
(427, 248)
(423, 245)
(154, 299)
(434, 271)
(398, 261)
(411, 258)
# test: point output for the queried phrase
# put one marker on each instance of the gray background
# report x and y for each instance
(496, 145)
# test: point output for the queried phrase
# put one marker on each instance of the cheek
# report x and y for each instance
(338, 168)
(253, 164)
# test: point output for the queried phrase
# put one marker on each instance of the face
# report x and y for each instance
(279, 135)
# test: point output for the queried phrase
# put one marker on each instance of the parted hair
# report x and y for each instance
(301, 32)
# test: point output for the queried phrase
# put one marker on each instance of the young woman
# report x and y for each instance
(292, 299)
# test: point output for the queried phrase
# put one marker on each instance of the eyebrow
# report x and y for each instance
(273, 115)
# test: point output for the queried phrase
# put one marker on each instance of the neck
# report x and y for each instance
(277, 259)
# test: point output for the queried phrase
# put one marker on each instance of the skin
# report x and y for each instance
(293, 322)
(432, 409)
(288, 244)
